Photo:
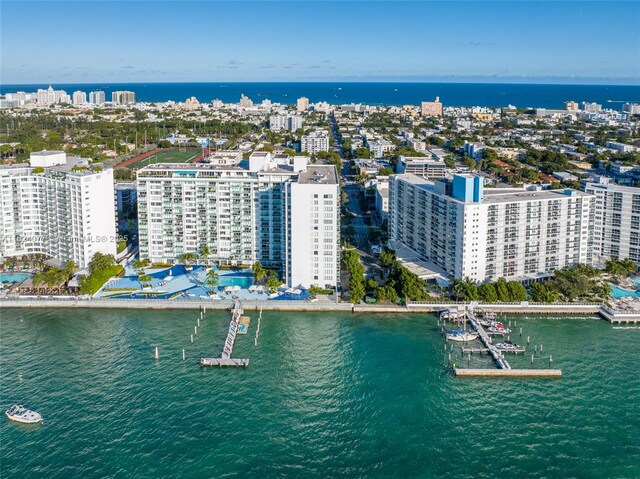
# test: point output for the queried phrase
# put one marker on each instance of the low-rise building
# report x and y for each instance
(425, 166)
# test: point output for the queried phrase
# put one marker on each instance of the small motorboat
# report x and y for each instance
(507, 346)
(462, 336)
(23, 415)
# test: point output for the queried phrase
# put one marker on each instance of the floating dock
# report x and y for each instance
(224, 362)
(503, 373)
(225, 359)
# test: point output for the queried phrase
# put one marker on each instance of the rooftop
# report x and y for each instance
(319, 174)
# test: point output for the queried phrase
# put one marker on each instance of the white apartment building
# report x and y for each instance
(272, 210)
(285, 122)
(123, 97)
(79, 98)
(51, 96)
(616, 225)
(425, 166)
(97, 98)
(470, 232)
(58, 206)
(315, 141)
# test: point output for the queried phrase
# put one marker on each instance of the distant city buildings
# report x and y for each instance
(79, 98)
(97, 98)
(302, 104)
(123, 97)
(246, 102)
(285, 122)
(276, 209)
(485, 234)
(571, 106)
(431, 108)
(315, 141)
(58, 206)
(631, 108)
(616, 226)
(51, 96)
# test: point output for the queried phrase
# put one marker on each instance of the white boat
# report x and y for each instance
(461, 336)
(23, 415)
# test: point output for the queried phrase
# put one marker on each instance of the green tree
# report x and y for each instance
(541, 293)
(259, 272)
(212, 279)
(487, 293)
(517, 292)
(273, 282)
(187, 258)
(385, 171)
(502, 290)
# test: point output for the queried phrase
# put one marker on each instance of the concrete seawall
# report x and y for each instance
(519, 308)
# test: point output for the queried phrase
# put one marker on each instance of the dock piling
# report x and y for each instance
(192, 339)
(157, 354)
(183, 355)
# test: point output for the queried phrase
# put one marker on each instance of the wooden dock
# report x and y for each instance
(497, 355)
(225, 359)
(512, 373)
(224, 362)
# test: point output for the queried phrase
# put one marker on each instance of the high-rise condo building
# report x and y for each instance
(57, 206)
(79, 98)
(97, 98)
(123, 97)
(616, 224)
(485, 234)
(302, 104)
(278, 210)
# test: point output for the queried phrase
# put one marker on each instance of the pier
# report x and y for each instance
(225, 358)
(504, 369)
(497, 355)
(503, 373)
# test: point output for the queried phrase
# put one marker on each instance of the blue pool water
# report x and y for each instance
(13, 277)
(618, 292)
(244, 280)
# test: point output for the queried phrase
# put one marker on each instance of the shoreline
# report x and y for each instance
(293, 306)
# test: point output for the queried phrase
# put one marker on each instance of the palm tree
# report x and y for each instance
(144, 279)
(212, 279)
(187, 258)
(204, 252)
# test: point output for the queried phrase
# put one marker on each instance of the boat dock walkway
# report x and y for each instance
(497, 355)
(225, 359)
(514, 373)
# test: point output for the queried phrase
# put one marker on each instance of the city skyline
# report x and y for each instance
(581, 42)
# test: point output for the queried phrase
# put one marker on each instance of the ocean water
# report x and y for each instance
(372, 93)
(325, 395)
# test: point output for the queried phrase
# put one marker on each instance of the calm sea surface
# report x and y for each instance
(325, 395)
(451, 94)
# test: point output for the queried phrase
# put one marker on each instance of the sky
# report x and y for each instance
(152, 41)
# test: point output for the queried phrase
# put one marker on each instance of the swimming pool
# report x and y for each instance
(618, 292)
(13, 277)
(243, 280)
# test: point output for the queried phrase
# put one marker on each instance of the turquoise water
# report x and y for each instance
(618, 292)
(242, 280)
(325, 395)
(13, 277)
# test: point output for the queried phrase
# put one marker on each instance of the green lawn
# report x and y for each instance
(171, 156)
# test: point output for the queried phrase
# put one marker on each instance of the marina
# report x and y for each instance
(484, 325)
